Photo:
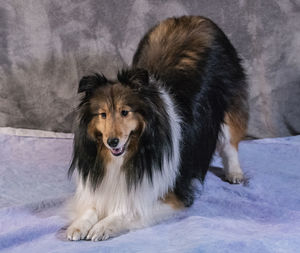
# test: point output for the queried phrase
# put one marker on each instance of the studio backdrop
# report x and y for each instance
(47, 46)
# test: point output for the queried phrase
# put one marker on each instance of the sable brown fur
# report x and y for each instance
(175, 44)
(172, 200)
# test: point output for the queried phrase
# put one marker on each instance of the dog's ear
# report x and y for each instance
(134, 78)
(90, 83)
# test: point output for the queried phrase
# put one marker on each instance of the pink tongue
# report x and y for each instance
(117, 150)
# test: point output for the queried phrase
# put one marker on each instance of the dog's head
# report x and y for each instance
(123, 118)
(116, 110)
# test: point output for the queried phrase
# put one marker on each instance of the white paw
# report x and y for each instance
(235, 177)
(77, 231)
(102, 231)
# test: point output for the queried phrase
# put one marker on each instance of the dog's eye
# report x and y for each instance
(124, 113)
(103, 115)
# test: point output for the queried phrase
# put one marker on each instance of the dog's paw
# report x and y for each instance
(235, 177)
(102, 231)
(77, 231)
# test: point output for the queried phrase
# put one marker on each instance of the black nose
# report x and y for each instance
(113, 142)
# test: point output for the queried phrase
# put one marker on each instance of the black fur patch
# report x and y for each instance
(90, 83)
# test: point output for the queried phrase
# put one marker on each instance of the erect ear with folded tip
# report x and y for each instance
(90, 83)
(134, 78)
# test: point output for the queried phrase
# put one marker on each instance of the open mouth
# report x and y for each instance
(118, 151)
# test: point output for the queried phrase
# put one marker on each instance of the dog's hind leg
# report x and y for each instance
(232, 132)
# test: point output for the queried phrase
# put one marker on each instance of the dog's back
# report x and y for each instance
(197, 62)
(190, 48)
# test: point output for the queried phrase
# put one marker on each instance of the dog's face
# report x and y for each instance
(115, 122)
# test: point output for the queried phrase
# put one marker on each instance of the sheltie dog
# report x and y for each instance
(141, 139)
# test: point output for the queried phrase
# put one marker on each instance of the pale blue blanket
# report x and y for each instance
(263, 216)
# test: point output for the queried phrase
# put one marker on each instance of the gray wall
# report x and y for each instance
(46, 46)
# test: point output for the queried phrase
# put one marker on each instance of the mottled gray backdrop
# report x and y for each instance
(46, 46)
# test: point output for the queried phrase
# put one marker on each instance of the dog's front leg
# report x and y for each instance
(110, 226)
(81, 226)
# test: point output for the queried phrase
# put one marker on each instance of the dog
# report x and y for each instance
(143, 138)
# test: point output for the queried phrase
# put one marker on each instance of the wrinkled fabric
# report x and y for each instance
(260, 216)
